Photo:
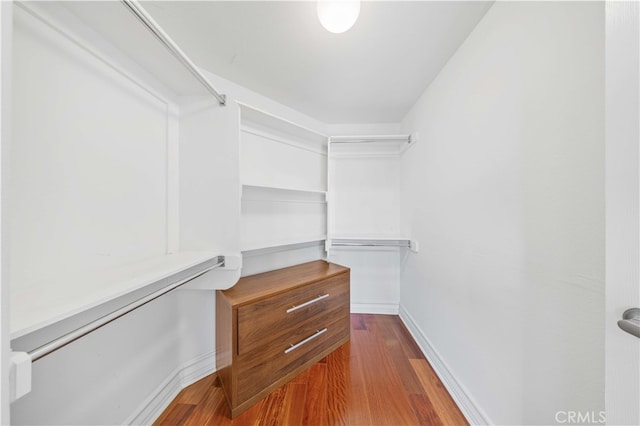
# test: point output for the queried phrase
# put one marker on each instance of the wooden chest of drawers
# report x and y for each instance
(272, 326)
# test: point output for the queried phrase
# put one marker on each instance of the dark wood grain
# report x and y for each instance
(379, 377)
(256, 287)
(177, 414)
(436, 393)
(267, 320)
(261, 345)
(315, 401)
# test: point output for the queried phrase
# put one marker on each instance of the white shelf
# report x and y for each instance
(274, 189)
(283, 171)
(259, 119)
(40, 304)
(284, 242)
(270, 194)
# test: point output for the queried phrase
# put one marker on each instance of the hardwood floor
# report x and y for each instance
(379, 378)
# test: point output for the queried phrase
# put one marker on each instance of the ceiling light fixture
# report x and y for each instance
(338, 16)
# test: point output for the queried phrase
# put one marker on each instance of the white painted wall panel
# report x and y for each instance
(89, 164)
(209, 175)
(264, 260)
(273, 223)
(85, 383)
(505, 193)
(269, 162)
(365, 196)
(375, 277)
(92, 380)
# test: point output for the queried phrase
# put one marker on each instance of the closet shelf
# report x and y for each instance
(247, 187)
(280, 243)
(39, 304)
(270, 194)
(258, 119)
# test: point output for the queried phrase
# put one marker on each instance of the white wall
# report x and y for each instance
(375, 277)
(505, 193)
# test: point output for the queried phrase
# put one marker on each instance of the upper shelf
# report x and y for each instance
(109, 29)
(363, 145)
(260, 120)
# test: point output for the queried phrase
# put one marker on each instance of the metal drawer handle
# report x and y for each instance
(307, 340)
(630, 321)
(312, 301)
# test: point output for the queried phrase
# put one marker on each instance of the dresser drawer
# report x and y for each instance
(290, 315)
(272, 326)
(261, 368)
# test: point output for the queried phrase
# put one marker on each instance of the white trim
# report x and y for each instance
(471, 410)
(375, 308)
(189, 373)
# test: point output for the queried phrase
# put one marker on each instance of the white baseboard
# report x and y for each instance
(190, 372)
(375, 308)
(460, 395)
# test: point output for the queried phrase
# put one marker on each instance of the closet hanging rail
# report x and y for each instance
(371, 139)
(372, 243)
(64, 340)
(164, 38)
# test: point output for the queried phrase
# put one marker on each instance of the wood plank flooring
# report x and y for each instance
(379, 378)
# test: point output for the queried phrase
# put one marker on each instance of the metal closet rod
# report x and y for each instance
(371, 244)
(74, 335)
(164, 38)
(371, 139)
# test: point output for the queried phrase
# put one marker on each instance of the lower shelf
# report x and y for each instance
(41, 304)
(259, 245)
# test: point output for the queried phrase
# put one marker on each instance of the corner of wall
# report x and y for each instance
(185, 375)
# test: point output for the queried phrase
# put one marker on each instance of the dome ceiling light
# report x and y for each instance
(338, 16)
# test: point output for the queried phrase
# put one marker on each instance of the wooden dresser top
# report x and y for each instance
(256, 287)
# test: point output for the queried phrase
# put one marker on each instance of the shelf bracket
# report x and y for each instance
(19, 375)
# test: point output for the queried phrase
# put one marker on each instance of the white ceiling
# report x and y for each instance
(371, 74)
